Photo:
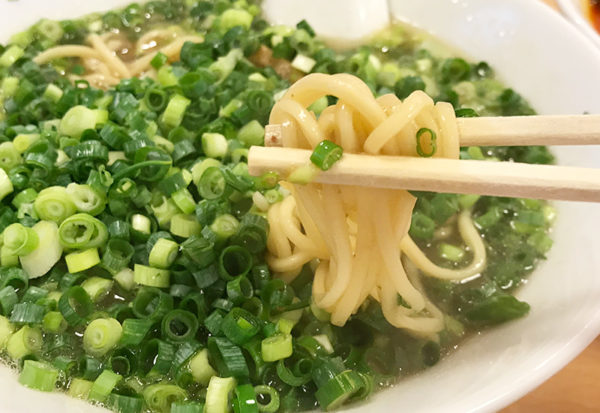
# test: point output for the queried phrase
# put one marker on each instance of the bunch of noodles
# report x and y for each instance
(111, 57)
(360, 235)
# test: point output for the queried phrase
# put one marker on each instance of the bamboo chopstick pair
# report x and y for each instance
(464, 176)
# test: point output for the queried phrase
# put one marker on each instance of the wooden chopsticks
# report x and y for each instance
(462, 176)
(530, 130)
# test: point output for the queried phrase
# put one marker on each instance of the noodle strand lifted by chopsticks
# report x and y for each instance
(360, 236)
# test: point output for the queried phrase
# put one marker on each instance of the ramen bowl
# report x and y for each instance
(556, 68)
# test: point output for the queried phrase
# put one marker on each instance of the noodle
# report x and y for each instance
(105, 68)
(360, 236)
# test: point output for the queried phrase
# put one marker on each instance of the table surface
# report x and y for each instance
(572, 390)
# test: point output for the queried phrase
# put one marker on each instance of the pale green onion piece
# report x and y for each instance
(82, 231)
(303, 63)
(9, 156)
(214, 145)
(185, 225)
(61, 158)
(38, 376)
(114, 156)
(101, 336)
(53, 93)
(6, 330)
(257, 77)
(304, 174)
(319, 105)
(103, 385)
(235, 17)
(48, 252)
(163, 253)
(97, 288)
(6, 186)
(224, 226)
(276, 347)
(54, 322)
(10, 85)
(224, 65)
(54, 204)
(164, 211)
(285, 325)
(153, 277)
(24, 140)
(11, 55)
(252, 133)
(20, 240)
(24, 342)
(141, 223)
(451, 252)
(125, 278)
(199, 168)
(82, 260)
(86, 199)
(218, 394)
(184, 200)
(200, 368)
(160, 397)
(324, 341)
(229, 108)
(79, 388)
(79, 118)
(173, 114)
(8, 258)
(467, 201)
(163, 143)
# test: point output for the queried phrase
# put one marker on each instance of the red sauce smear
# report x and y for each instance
(595, 14)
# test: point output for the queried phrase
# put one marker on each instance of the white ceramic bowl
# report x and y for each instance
(576, 11)
(557, 68)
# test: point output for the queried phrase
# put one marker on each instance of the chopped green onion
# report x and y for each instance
(153, 277)
(25, 341)
(101, 336)
(200, 367)
(325, 154)
(432, 143)
(47, 253)
(75, 305)
(11, 55)
(81, 261)
(163, 253)
(185, 226)
(276, 347)
(6, 186)
(270, 395)
(54, 204)
(81, 231)
(160, 397)
(227, 357)
(337, 390)
(79, 388)
(179, 326)
(97, 288)
(38, 376)
(173, 114)
(218, 393)
(79, 118)
(20, 240)
(103, 385)
(214, 145)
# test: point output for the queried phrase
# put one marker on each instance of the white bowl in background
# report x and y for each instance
(576, 11)
(557, 69)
